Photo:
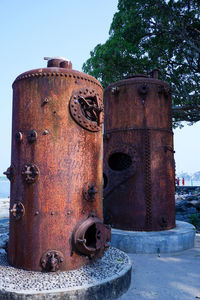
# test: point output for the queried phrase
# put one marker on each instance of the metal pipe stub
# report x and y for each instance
(91, 237)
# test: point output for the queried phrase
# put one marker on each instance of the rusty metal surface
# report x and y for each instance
(138, 155)
(54, 159)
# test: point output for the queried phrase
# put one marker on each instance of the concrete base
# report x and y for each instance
(177, 239)
(106, 278)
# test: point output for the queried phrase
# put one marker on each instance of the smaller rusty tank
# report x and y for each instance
(138, 155)
(56, 169)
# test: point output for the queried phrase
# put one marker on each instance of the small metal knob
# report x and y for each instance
(19, 137)
(32, 136)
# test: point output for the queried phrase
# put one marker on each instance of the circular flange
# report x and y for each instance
(51, 260)
(86, 108)
(18, 210)
(30, 173)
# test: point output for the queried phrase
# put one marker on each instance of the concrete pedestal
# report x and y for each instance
(177, 239)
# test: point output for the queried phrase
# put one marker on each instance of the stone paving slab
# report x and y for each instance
(174, 276)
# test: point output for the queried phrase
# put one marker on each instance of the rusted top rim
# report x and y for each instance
(58, 72)
(136, 80)
(135, 76)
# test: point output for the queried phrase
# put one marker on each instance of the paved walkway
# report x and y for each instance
(168, 277)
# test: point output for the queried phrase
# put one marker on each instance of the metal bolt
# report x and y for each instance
(45, 101)
(45, 132)
(19, 137)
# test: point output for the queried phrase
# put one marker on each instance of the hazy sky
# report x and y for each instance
(33, 29)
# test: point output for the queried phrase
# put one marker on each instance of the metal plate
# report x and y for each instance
(86, 108)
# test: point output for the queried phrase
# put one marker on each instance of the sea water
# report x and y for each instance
(4, 187)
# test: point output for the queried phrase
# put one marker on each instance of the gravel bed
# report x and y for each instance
(111, 265)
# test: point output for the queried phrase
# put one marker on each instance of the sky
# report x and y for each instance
(31, 30)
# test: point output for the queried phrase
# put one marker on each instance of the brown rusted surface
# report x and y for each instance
(138, 155)
(55, 158)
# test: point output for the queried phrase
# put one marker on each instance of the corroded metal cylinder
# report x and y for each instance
(138, 155)
(56, 169)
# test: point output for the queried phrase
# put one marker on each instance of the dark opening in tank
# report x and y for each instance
(119, 161)
(105, 181)
(90, 236)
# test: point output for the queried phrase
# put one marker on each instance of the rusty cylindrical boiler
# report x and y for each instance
(56, 169)
(138, 155)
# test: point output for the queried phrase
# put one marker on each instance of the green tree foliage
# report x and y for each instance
(146, 34)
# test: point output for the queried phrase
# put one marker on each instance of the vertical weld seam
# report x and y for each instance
(148, 194)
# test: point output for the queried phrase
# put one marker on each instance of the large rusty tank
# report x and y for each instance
(56, 169)
(138, 155)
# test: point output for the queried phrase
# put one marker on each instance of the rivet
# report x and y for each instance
(45, 101)
(74, 97)
(69, 213)
(54, 112)
(37, 213)
(19, 137)
(52, 213)
(45, 132)
(83, 212)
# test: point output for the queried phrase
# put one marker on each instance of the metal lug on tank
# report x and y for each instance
(10, 173)
(89, 192)
(115, 90)
(32, 136)
(106, 136)
(169, 148)
(19, 137)
(45, 132)
(45, 101)
(18, 211)
(30, 173)
(142, 91)
(51, 260)
(163, 221)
